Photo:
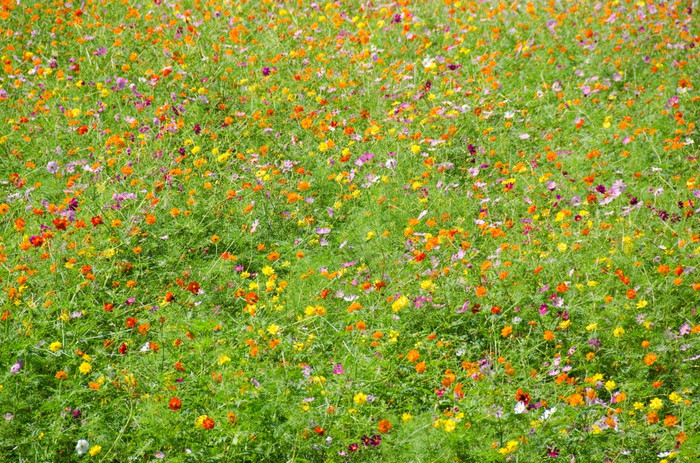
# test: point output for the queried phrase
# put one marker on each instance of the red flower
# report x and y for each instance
(123, 348)
(251, 298)
(97, 220)
(175, 404)
(131, 322)
(193, 287)
(522, 396)
(208, 423)
(60, 223)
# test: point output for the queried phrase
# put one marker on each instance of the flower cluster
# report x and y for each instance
(349, 231)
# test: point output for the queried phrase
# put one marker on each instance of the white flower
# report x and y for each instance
(520, 408)
(82, 447)
(547, 413)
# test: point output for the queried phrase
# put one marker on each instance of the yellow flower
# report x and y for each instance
(399, 304)
(85, 368)
(55, 346)
(656, 404)
(450, 425)
(510, 447)
(427, 285)
(406, 417)
(360, 398)
(273, 329)
(675, 398)
(619, 332)
(610, 385)
(199, 422)
(95, 449)
(223, 359)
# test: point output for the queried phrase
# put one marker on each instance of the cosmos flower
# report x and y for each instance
(82, 447)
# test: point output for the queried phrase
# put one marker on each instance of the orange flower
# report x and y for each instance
(413, 356)
(384, 426)
(548, 335)
(575, 400)
(61, 375)
(354, 306)
(420, 367)
(631, 294)
(506, 331)
(650, 358)
(653, 417)
(481, 291)
(273, 256)
(670, 421)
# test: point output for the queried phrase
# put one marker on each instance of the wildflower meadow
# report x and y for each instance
(349, 231)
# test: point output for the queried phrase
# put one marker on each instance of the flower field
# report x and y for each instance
(350, 231)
